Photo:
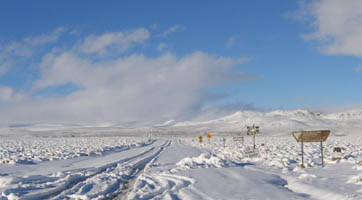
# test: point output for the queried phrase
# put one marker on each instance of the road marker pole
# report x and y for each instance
(209, 136)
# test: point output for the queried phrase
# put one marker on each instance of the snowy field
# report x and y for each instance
(177, 168)
(36, 150)
(167, 161)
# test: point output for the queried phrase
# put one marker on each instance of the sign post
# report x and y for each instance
(208, 137)
(302, 153)
(322, 153)
(311, 136)
(253, 130)
(239, 139)
(251, 153)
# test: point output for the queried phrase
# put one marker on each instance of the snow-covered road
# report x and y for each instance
(185, 172)
(79, 178)
(156, 170)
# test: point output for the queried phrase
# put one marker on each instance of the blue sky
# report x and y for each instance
(121, 61)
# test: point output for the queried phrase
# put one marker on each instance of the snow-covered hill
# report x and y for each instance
(278, 122)
(281, 122)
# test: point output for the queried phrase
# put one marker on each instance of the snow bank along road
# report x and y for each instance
(182, 169)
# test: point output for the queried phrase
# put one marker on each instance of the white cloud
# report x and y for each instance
(173, 29)
(11, 53)
(16, 49)
(45, 38)
(162, 46)
(243, 60)
(120, 89)
(299, 14)
(120, 41)
(337, 25)
(134, 88)
(7, 95)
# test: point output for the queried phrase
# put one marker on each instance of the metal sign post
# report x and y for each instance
(253, 130)
(302, 152)
(322, 153)
(311, 136)
(254, 141)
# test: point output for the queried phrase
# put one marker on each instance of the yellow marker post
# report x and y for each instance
(200, 138)
(209, 136)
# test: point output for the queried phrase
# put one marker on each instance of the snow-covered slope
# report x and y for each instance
(167, 123)
(278, 122)
(281, 122)
(349, 115)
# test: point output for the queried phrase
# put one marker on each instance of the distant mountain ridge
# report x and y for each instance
(274, 123)
(280, 122)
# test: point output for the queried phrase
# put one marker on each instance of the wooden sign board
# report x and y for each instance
(238, 138)
(311, 136)
(251, 153)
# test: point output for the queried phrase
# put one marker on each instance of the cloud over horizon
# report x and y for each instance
(337, 25)
(112, 86)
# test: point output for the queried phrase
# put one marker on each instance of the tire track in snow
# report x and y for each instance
(159, 183)
(71, 181)
(130, 185)
(163, 185)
